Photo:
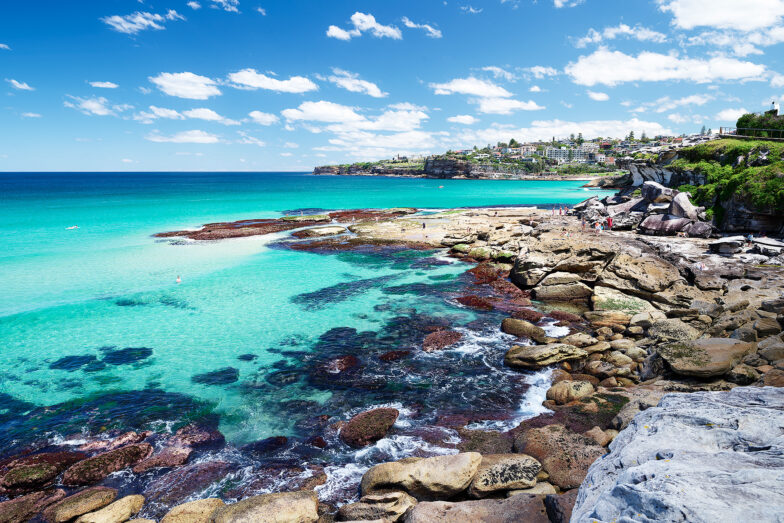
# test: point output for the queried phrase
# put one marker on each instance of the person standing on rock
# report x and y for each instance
(609, 223)
(583, 223)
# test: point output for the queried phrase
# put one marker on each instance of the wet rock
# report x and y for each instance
(180, 483)
(475, 302)
(567, 391)
(500, 472)
(266, 445)
(199, 511)
(127, 355)
(300, 507)
(523, 329)
(528, 315)
(537, 357)
(222, 376)
(522, 508)
(440, 477)
(441, 340)
(98, 467)
(564, 316)
(116, 512)
(388, 506)
(485, 441)
(368, 427)
(196, 436)
(673, 330)
(559, 507)
(126, 438)
(700, 457)
(341, 364)
(80, 503)
(31, 472)
(704, 358)
(167, 458)
(72, 363)
(564, 455)
(394, 355)
(21, 509)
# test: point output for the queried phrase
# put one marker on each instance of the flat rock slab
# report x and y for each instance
(704, 358)
(539, 356)
(517, 509)
(698, 457)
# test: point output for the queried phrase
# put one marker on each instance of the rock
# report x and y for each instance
(80, 503)
(117, 512)
(500, 472)
(639, 275)
(622, 344)
(704, 358)
(541, 488)
(702, 457)
(475, 302)
(440, 340)
(601, 369)
(673, 330)
(178, 484)
(663, 225)
(682, 207)
(21, 509)
(559, 508)
(577, 291)
(599, 436)
(294, 507)
(35, 471)
(195, 436)
(128, 437)
(368, 427)
(318, 232)
(539, 356)
(523, 329)
(389, 506)
(524, 508)
(646, 319)
(745, 333)
(729, 245)
(699, 229)
(580, 339)
(485, 441)
(424, 478)
(607, 299)
(657, 193)
(98, 467)
(772, 353)
(773, 378)
(619, 359)
(767, 327)
(597, 347)
(166, 458)
(567, 391)
(743, 375)
(564, 455)
(607, 318)
(199, 511)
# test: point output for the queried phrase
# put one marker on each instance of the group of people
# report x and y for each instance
(600, 225)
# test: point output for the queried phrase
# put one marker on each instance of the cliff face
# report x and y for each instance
(445, 168)
(641, 171)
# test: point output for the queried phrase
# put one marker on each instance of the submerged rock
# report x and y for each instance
(32, 472)
(222, 376)
(98, 467)
(440, 340)
(195, 436)
(368, 427)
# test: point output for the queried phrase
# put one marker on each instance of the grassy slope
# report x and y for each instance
(762, 187)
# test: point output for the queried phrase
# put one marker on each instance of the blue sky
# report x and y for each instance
(285, 85)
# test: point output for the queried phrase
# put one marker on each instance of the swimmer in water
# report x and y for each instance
(178, 279)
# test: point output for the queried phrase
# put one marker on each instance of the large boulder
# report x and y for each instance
(33, 472)
(607, 299)
(523, 329)
(698, 457)
(368, 427)
(98, 467)
(80, 503)
(502, 472)
(440, 477)
(118, 511)
(704, 358)
(23, 508)
(663, 225)
(564, 455)
(539, 356)
(729, 245)
(199, 511)
(387, 506)
(521, 508)
(673, 330)
(657, 193)
(566, 292)
(682, 207)
(296, 507)
(639, 275)
(568, 391)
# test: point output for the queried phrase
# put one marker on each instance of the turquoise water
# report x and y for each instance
(72, 300)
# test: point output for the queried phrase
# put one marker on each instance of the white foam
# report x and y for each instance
(530, 405)
(340, 479)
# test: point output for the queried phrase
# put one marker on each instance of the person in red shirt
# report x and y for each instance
(609, 223)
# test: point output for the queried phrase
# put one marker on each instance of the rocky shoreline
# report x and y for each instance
(619, 321)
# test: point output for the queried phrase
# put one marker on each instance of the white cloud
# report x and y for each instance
(471, 86)
(599, 97)
(287, 154)
(209, 115)
(186, 85)
(291, 145)
(505, 105)
(471, 10)
(777, 81)
(744, 15)
(31, 115)
(431, 31)
(140, 21)
(730, 115)
(5, 46)
(126, 160)
(637, 32)
(540, 71)
(614, 67)
(96, 105)
(262, 11)
(105, 85)
(231, 6)
(666, 103)
(147, 117)
(194, 136)
(363, 23)
(247, 139)
(22, 86)
(251, 80)
(567, 3)
(352, 82)
(499, 73)
(535, 89)
(263, 118)
(322, 111)
(194, 5)
(463, 119)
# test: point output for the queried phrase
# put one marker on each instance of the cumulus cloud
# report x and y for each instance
(730, 115)
(194, 136)
(252, 80)
(499, 72)
(263, 118)
(352, 82)
(105, 85)
(745, 15)
(231, 6)
(567, 3)
(614, 67)
(777, 81)
(431, 31)
(186, 85)
(194, 5)
(245, 138)
(322, 111)
(209, 115)
(637, 32)
(157, 112)
(470, 86)
(364, 23)
(21, 86)
(666, 103)
(540, 71)
(31, 115)
(535, 89)
(140, 21)
(463, 119)
(505, 105)
(5, 47)
(599, 97)
(96, 105)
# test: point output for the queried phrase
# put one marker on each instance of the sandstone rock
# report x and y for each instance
(523, 329)
(772, 353)
(663, 225)
(673, 330)
(166, 458)
(632, 408)
(622, 345)
(580, 339)
(599, 436)
(607, 299)
(682, 207)
(440, 340)
(704, 358)
(116, 512)
(743, 375)
(368, 427)
(563, 454)
(730, 245)
(567, 391)
(773, 378)
(319, 232)
(499, 472)
(199, 511)
(646, 319)
(542, 488)
(696, 457)
(601, 369)
(389, 506)
(767, 327)
(657, 193)
(597, 347)
(559, 508)
(607, 318)
(577, 291)
(745, 333)
(619, 359)
(540, 356)
(523, 508)
(98, 467)
(294, 507)
(23, 508)
(80, 503)
(424, 478)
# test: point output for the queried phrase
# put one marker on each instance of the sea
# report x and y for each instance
(96, 335)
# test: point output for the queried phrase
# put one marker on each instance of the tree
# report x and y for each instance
(580, 140)
(631, 136)
(571, 137)
(644, 138)
(710, 132)
(703, 130)
(514, 143)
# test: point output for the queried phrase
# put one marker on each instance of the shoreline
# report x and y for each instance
(495, 176)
